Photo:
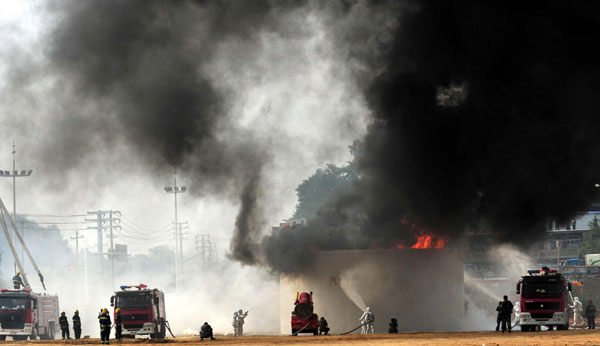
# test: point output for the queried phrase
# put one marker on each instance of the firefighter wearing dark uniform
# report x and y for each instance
(77, 324)
(17, 281)
(590, 313)
(104, 319)
(206, 332)
(393, 326)
(64, 325)
(499, 316)
(323, 328)
(118, 325)
(507, 308)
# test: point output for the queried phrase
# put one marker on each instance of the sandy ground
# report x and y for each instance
(562, 338)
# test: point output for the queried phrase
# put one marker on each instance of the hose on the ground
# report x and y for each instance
(169, 328)
(350, 331)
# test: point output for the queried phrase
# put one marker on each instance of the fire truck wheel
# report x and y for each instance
(20, 337)
(294, 332)
(525, 329)
(163, 330)
(2, 337)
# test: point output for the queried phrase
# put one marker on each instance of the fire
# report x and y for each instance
(428, 241)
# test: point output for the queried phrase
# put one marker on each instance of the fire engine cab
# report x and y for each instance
(543, 300)
(142, 310)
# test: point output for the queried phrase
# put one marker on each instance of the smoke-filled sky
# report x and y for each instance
(486, 117)
(473, 115)
(244, 99)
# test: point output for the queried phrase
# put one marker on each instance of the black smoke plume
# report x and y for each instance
(487, 116)
(134, 74)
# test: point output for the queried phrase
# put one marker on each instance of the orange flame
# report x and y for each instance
(428, 241)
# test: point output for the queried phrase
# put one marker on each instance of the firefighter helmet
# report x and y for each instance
(105, 311)
(76, 311)
(118, 310)
(62, 312)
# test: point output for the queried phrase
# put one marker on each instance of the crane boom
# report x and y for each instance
(4, 215)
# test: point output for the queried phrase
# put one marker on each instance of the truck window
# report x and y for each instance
(541, 287)
(132, 301)
(11, 303)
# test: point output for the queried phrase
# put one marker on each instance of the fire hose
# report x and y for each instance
(169, 328)
(350, 331)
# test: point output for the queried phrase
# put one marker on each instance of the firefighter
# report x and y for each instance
(17, 281)
(77, 324)
(234, 323)
(367, 320)
(64, 325)
(577, 310)
(206, 332)
(104, 319)
(499, 316)
(323, 327)
(118, 324)
(393, 326)
(507, 308)
(240, 321)
(590, 313)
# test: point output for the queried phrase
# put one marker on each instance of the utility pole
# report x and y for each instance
(175, 190)
(112, 217)
(14, 174)
(76, 238)
(179, 227)
(206, 248)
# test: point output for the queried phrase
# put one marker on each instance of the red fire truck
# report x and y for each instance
(303, 318)
(26, 314)
(142, 311)
(23, 313)
(544, 300)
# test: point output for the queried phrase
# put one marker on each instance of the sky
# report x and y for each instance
(294, 94)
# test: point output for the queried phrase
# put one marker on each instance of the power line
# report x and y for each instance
(56, 223)
(145, 228)
(47, 215)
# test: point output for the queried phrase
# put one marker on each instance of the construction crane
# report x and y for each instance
(4, 217)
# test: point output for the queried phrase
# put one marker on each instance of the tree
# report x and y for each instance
(324, 183)
(592, 243)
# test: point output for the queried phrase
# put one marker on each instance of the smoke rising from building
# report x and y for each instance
(483, 115)
(485, 118)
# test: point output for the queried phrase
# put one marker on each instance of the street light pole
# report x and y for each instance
(178, 241)
(14, 174)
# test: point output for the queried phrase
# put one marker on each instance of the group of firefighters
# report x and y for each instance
(103, 319)
(506, 309)
(590, 313)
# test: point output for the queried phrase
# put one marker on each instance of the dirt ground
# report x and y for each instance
(562, 338)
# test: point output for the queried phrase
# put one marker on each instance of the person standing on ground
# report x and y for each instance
(64, 325)
(104, 320)
(118, 324)
(590, 313)
(507, 308)
(77, 324)
(498, 316)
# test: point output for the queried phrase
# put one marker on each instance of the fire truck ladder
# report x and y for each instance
(4, 215)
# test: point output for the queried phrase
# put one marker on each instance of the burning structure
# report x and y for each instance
(411, 285)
